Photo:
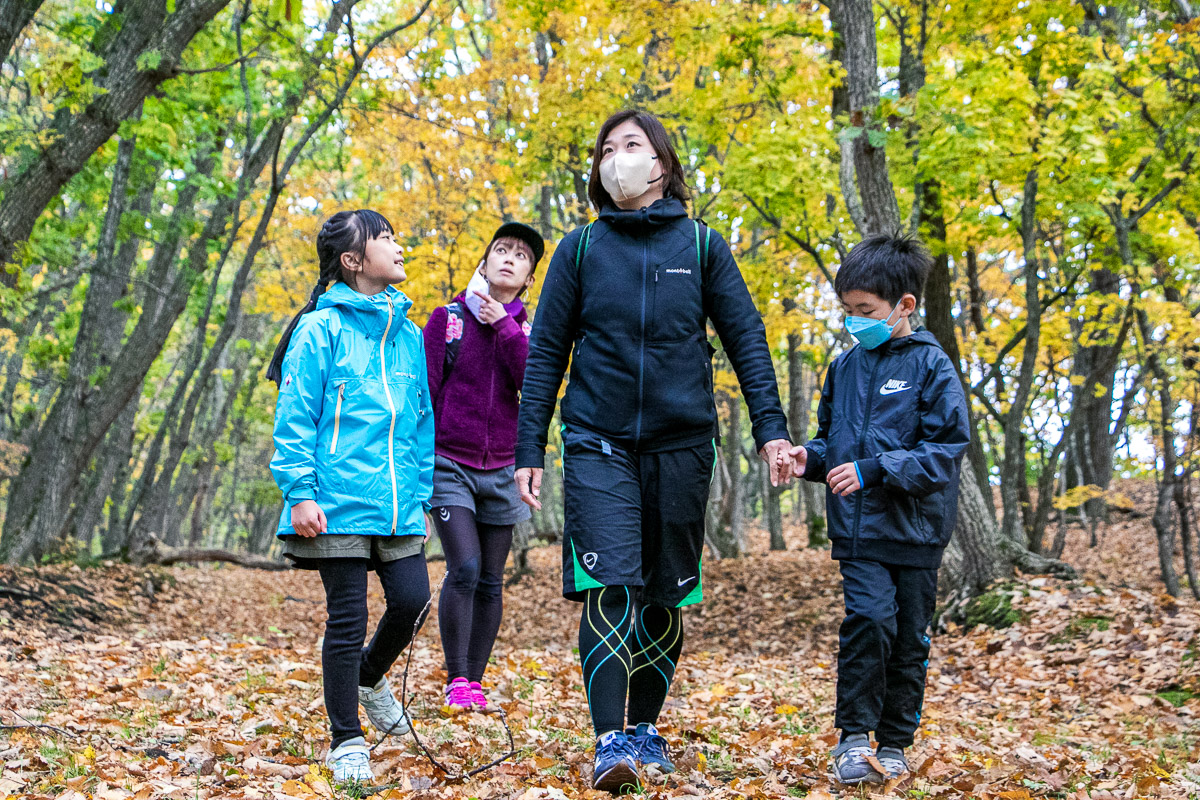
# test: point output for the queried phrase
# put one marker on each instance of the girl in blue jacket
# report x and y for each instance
(354, 459)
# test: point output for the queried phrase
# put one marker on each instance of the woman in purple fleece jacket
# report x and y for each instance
(476, 349)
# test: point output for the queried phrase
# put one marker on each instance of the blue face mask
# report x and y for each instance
(871, 333)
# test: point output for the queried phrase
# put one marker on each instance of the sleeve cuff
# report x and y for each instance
(870, 472)
(814, 468)
(300, 494)
(530, 456)
(771, 432)
(507, 327)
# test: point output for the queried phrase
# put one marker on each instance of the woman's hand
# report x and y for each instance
(308, 519)
(428, 527)
(777, 454)
(529, 486)
(492, 310)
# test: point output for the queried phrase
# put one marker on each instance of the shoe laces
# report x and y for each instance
(618, 746)
(860, 753)
(458, 693)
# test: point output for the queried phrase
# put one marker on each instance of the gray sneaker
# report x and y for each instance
(892, 759)
(383, 709)
(850, 765)
(351, 761)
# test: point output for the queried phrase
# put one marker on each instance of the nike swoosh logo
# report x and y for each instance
(686, 580)
(894, 391)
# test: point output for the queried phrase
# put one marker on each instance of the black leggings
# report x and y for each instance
(627, 649)
(471, 605)
(346, 664)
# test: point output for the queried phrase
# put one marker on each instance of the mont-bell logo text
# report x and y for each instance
(678, 271)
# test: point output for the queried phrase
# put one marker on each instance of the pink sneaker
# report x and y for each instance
(478, 698)
(458, 695)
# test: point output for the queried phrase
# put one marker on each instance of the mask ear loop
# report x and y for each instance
(888, 318)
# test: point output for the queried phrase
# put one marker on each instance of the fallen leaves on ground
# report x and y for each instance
(206, 682)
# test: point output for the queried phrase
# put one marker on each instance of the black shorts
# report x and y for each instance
(634, 519)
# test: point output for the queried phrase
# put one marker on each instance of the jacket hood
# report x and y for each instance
(918, 338)
(660, 212)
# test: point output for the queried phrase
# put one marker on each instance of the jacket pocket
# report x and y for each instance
(337, 418)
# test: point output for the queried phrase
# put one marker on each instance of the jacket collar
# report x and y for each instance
(659, 213)
(369, 313)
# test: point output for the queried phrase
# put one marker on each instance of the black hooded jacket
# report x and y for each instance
(631, 318)
(899, 413)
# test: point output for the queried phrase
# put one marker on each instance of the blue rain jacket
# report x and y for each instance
(354, 423)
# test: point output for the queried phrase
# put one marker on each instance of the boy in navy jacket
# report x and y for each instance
(892, 430)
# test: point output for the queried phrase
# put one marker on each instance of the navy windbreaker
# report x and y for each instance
(900, 414)
(631, 318)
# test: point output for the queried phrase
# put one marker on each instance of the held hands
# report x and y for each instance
(777, 455)
(843, 480)
(308, 519)
(799, 458)
(529, 486)
(492, 310)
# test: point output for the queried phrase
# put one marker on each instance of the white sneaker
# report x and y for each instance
(351, 761)
(383, 709)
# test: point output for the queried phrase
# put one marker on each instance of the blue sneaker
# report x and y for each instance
(616, 764)
(651, 748)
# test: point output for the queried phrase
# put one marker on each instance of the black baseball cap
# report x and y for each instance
(524, 233)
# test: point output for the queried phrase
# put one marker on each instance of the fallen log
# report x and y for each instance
(166, 557)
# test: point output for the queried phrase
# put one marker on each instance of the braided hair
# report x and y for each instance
(344, 232)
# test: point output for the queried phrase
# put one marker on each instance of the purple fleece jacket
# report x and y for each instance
(475, 406)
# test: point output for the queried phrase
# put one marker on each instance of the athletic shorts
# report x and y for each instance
(490, 494)
(634, 519)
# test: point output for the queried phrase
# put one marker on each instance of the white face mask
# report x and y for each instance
(478, 284)
(627, 175)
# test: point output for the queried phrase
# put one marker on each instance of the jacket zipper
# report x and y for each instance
(337, 419)
(487, 420)
(862, 440)
(392, 429)
(637, 438)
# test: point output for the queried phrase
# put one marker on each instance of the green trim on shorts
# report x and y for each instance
(582, 580)
(696, 594)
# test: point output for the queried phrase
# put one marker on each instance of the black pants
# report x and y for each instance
(346, 664)
(884, 649)
(472, 603)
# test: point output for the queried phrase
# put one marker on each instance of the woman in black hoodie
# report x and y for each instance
(626, 301)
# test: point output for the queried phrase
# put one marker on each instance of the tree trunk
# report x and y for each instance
(1099, 340)
(1012, 472)
(772, 510)
(972, 560)
(40, 498)
(724, 529)
(854, 24)
(145, 33)
(14, 16)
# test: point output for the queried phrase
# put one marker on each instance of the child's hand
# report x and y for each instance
(843, 480)
(308, 519)
(799, 458)
(492, 310)
(428, 527)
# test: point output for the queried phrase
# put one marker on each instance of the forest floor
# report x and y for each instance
(118, 682)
